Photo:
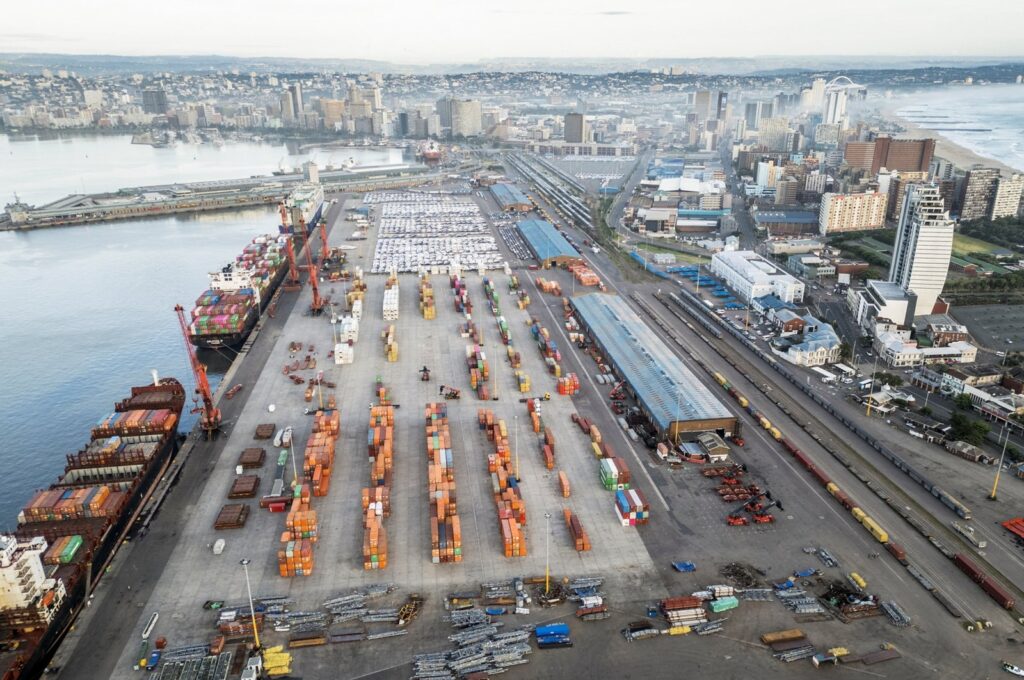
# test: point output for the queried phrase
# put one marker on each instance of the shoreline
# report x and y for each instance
(945, 148)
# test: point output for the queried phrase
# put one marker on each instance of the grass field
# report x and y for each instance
(965, 245)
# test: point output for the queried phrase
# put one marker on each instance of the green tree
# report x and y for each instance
(926, 410)
(1013, 453)
(968, 430)
(845, 351)
(963, 401)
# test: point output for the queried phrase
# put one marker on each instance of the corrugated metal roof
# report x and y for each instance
(545, 241)
(508, 195)
(666, 388)
(776, 216)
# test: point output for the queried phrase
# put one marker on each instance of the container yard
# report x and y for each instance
(476, 474)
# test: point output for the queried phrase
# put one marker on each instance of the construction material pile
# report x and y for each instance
(391, 298)
(482, 651)
(504, 485)
(552, 287)
(445, 530)
(583, 274)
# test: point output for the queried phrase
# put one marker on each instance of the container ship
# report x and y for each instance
(227, 311)
(67, 534)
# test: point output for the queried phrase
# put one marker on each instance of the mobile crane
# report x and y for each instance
(209, 418)
(292, 282)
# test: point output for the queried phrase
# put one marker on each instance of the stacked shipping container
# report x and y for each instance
(376, 498)
(504, 485)
(445, 529)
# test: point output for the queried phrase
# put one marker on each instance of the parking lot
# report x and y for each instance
(995, 327)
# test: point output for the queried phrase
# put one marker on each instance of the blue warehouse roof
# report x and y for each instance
(509, 194)
(665, 387)
(544, 240)
(782, 216)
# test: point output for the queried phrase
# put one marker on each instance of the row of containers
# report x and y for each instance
(445, 529)
(508, 499)
(463, 304)
(295, 556)
(427, 306)
(631, 505)
(522, 297)
(376, 498)
(548, 348)
(479, 371)
(546, 442)
(991, 587)
(491, 293)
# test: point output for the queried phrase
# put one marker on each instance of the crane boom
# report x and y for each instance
(210, 416)
(317, 305)
(325, 252)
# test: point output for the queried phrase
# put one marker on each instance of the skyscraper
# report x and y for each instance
(287, 108)
(835, 109)
(723, 103)
(978, 193)
(463, 117)
(1007, 199)
(575, 128)
(924, 242)
(154, 100)
(296, 94)
(703, 104)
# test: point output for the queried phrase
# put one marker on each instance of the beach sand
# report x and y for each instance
(960, 156)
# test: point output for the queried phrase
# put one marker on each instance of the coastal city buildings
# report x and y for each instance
(1007, 199)
(979, 192)
(576, 128)
(753, 276)
(924, 243)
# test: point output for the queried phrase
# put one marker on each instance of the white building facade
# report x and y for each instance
(752, 276)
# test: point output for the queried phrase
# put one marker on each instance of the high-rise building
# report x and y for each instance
(755, 112)
(851, 212)
(898, 184)
(576, 128)
(154, 100)
(924, 243)
(904, 155)
(331, 110)
(1008, 194)
(723, 105)
(835, 108)
(703, 104)
(295, 91)
(859, 155)
(817, 96)
(772, 133)
(978, 193)
(464, 116)
(287, 108)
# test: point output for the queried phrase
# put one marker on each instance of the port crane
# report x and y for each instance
(317, 306)
(325, 252)
(209, 418)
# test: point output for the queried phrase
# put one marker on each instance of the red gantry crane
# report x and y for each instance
(292, 282)
(317, 305)
(209, 418)
(325, 252)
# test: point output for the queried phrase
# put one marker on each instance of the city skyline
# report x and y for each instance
(424, 33)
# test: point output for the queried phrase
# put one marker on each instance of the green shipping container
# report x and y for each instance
(69, 551)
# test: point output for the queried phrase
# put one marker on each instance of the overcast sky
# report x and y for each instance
(439, 31)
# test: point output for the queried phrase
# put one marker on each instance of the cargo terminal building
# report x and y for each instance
(547, 244)
(669, 394)
(510, 198)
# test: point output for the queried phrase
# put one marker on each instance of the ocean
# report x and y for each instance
(987, 119)
(88, 311)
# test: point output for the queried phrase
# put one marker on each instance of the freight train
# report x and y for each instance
(991, 587)
(67, 534)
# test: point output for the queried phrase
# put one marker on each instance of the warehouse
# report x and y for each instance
(547, 243)
(785, 222)
(670, 395)
(510, 198)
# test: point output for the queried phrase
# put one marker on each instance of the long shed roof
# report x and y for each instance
(544, 240)
(668, 390)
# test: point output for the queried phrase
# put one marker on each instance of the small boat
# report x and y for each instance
(1014, 670)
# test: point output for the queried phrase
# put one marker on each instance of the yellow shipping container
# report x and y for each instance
(858, 514)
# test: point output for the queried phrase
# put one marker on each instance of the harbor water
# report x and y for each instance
(88, 311)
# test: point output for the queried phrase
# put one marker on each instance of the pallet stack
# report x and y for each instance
(391, 303)
(581, 541)
(584, 274)
(523, 382)
(507, 497)
(563, 484)
(479, 370)
(427, 308)
(295, 558)
(551, 287)
(390, 343)
(522, 299)
(445, 529)
(514, 358)
(376, 498)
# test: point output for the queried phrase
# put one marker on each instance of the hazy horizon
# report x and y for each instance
(458, 31)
